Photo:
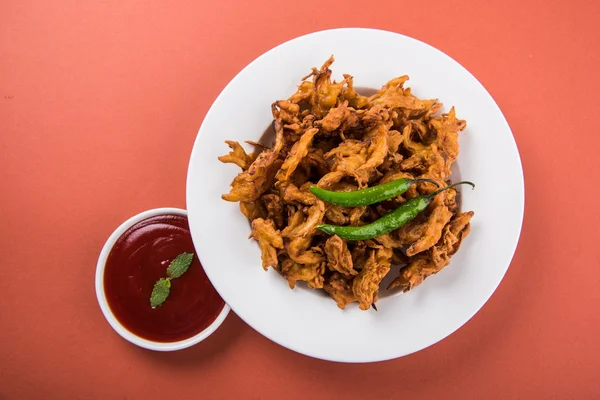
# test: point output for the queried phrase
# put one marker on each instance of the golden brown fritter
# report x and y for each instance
(253, 209)
(329, 135)
(337, 215)
(292, 194)
(437, 220)
(314, 217)
(376, 153)
(299, 250)
(298, 152)
(237, 155)
(325, 92)
(366, 284)
(341, 117)
(340, 289)
(269, 239)
(275, 209)
(259, 177)
(312, 274)
(297, 243)
(338, 256)
(355, 100)
(431, 262)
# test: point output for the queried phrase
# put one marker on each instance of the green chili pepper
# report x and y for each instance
(389, 222)
(368, 196)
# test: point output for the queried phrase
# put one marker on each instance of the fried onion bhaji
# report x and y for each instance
(329, 135)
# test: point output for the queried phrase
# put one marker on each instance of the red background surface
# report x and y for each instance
(100, 102)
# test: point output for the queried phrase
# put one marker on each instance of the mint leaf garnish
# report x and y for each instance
(161, 291)
(179, 265)
(162, 287)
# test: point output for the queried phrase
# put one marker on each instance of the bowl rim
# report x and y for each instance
(105, 308)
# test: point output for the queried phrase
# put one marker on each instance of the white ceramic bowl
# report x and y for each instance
(308, 321)
(114, 322)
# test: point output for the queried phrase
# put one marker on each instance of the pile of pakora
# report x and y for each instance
(329, 135)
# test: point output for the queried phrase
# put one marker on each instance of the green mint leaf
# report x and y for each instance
(161, 291)
(179, 265)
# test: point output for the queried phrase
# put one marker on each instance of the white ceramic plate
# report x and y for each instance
(307, 321)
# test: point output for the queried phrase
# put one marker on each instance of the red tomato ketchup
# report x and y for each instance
(137, 260)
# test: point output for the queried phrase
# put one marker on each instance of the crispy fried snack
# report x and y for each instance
(329, 135)
(339, 257)
(269, 239)
(437, 257)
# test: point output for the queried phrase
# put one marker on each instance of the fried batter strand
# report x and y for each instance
(324, 94)
(378, 150)
(315, 217)
(458, 229)
(237, 155)
(447, 127)
(291, 194)
(298, 152)
(309, 273)
(431, 262)
(366, 285)
(351, 96)
(338, 256)
(438, 218)
(259, 177)
(340, 290)
(252, 210)
(274, 206)
(269, 239)
(297, 244)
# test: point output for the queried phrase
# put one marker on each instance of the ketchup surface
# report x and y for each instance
(137, 260)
